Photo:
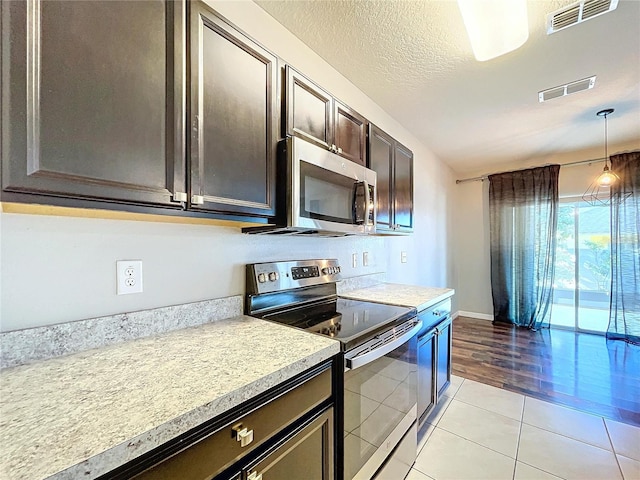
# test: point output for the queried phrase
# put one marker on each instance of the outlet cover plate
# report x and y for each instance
(128, 276)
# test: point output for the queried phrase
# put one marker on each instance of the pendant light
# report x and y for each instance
(600, 191)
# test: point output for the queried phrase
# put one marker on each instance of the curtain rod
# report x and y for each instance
(570, 164)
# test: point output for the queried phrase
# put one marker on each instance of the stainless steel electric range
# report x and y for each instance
(378, 343)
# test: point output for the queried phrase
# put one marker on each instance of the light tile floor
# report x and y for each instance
(483, 432)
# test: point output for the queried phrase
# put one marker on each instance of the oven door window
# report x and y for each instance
(379, 399)
(326, 195)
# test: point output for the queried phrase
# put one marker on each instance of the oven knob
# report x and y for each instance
(262, 278)
(273, 276)
(332, 270)
(338, 269)
(325, 271)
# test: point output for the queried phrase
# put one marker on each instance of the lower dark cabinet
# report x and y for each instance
(308, 454)
(434, 357)
(426, 360)
(443, 365)
(290, 434)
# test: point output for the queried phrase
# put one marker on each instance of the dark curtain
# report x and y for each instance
(523, 214)
(624, 315)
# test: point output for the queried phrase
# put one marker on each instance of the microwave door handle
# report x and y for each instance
(368, 204)
(360, 207)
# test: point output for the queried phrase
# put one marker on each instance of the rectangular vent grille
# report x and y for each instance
(568, 89)
(577, 13)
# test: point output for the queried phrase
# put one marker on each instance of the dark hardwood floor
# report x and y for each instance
(578, 370)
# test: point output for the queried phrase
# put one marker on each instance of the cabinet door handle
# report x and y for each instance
(197, 199)
(254, 476)
(339, 150)
(243, 435)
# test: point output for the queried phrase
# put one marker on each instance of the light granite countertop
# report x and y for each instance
(82, 415)
(403, 295)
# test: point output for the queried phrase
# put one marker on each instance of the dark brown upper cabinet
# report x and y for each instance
(234, 119)
(314, 115)
(393, 163)
(93, 104)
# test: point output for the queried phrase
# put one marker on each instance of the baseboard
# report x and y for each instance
(480, 316)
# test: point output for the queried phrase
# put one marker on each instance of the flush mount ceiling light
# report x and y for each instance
(599, 192)
(495, 27)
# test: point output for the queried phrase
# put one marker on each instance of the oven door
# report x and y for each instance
(380, 390)
(329, 192)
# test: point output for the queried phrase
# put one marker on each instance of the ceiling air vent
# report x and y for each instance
(568, 89)
(578, 13)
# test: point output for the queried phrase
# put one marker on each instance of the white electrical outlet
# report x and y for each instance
(365, 259)
(403, 257)
(354, 260)
(128, 276)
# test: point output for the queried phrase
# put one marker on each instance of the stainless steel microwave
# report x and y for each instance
(321, 193)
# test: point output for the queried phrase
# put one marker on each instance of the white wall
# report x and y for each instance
(471, 219)
(58, 269)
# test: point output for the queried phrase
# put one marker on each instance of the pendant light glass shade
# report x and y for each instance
(495, 27)
(600, 191)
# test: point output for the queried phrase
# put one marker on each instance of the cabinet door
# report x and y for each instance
(234, 119)
(426, 374)
(93, 100)
(307, 454)
(443, 371)
(309, 110)
(403, 189)
(381, 149)
(350, 134)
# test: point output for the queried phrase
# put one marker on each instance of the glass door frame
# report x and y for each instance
(576, 202)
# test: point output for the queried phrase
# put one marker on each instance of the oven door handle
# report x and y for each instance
(382, 350)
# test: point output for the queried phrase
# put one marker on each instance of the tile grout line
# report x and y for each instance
(613, 448)
(486, 409)
(515, 465)
(571, 438)
(473, 441)
(541, 428)
(559, 404)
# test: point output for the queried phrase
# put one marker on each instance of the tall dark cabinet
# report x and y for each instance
(93, 104)
(315, 116)
(393, 163)
(234, 119)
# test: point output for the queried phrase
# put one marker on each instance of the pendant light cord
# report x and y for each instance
(606, 135)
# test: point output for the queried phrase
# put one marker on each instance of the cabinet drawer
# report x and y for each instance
(221, 449)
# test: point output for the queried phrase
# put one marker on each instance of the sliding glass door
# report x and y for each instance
(582, 275)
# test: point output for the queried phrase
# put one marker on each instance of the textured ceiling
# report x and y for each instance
(414, 59)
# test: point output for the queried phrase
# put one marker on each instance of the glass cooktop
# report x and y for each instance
(350, 321)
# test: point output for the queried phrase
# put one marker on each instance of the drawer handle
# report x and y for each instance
(254, 476)
(243, 435)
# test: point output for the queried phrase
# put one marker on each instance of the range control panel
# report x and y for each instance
(304, 272)
(278, 276)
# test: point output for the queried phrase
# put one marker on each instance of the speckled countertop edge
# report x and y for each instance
(82, 415)
(402, 295)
